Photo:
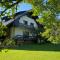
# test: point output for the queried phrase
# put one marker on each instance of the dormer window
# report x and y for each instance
(32, 24)
(25, 23)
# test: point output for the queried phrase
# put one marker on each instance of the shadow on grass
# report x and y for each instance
(37, 47)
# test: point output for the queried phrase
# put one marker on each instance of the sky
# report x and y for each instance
(22, 7)
(26, 6)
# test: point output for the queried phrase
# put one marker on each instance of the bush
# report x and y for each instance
(8, 43)
(53, 34)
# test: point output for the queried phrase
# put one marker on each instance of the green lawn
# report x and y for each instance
(32, 52)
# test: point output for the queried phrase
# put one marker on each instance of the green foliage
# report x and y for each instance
(48, 10)
(53, 34)
(8, 5)
(9, 42)
(2, 30)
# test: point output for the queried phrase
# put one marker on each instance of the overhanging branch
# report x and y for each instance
(11, 6)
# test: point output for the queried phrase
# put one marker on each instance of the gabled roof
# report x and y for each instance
(19, 14)
(6, 18)
(8, 22)
(29, 14)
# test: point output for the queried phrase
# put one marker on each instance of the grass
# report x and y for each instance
(32, 52)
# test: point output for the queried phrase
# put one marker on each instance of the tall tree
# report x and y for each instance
(8, 4)
(48, 11)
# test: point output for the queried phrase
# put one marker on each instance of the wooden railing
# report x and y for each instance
(21, 37)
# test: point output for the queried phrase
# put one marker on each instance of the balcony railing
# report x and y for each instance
(26, 26)
(21, 37)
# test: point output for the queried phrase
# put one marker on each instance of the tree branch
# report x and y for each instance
(11, 6)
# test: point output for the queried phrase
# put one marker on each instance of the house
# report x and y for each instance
(23, 28)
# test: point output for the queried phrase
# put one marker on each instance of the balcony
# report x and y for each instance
(21, 37)
(24, 26)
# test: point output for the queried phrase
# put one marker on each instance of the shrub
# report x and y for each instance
(8, 43)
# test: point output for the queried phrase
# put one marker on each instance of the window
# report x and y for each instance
(25, 34)
(32, 24)
(25, 22)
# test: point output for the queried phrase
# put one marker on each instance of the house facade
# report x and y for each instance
(23, 27)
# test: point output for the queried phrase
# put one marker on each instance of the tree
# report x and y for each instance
(5, 5)
(2, 30)
(2, 33)
(48, 11)
(9, 4)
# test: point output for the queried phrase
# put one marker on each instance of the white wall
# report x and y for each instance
(18, 30)
(30, 20)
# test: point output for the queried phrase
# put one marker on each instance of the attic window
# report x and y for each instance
(25, 22)
(32, 24)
